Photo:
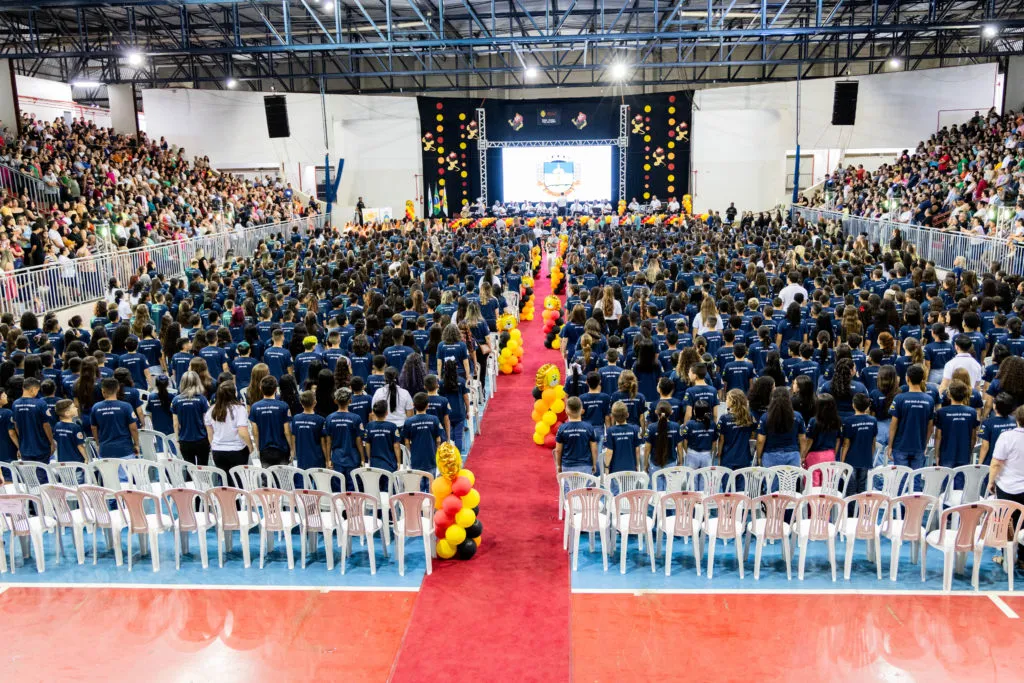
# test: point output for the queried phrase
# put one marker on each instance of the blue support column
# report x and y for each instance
(331, 187)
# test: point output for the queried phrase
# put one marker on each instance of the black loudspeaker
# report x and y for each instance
(844, 104)
(277, 116)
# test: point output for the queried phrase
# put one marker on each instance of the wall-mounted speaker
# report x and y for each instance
(844, 104)
(276, 107)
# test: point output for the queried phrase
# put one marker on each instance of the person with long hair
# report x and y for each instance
(253, 392)
(198, 366)
(324, 393)
(647, 369)
(735, 429)
(759, 396)
(622, 442)
(843, 386)
(453, 389)
(414, 372)
(1010, 379)
(628, 391)
(937, 353)
(887, 386)
(86, 390)
(158, 406)
(699, 436)
(288, 390)
(779, 432)
(189, 409)
(663, 439)
(399, 401)
(227, 428)
(822, 438)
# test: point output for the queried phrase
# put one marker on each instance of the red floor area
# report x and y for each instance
(504, 614)
(199, 635)
(794, 638)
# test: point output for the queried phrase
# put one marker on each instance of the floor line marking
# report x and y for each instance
(788, 591)
(239, 587)
(1003, 607)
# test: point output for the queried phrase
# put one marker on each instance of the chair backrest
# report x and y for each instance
(634, 505)
(588, 503)
(970, 518)
(250, 478)
(869, 508)
(409, 481)
(94, 504)
(9, 474)
(974, 477)
(820, 510)
(772, 508)
(931, 481)
(273, 502)
(323, 479)
(142, 473)
(72, 474)
(14, 511)
(684, 504)
(412, 512)
(133, 506)
(225, 499)
(107, 472)
(55, 502)
(788, 479)
(910, 509)
(672, 479)
(309, 503)
(1000, 525)
(284, 477)
(711, 480)
(150, 442)
(892, 480)
(183, 500)
(368, 480)
(206, 477)
(355, 507)
(92, 448)
(34, 475)
(750, 481)
(175, 470)
(732, 511)
(835, 477)
(622, 482)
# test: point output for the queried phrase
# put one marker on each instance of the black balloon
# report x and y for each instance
(476, 511)
(475, 529)
(537, 394)
(466, 549)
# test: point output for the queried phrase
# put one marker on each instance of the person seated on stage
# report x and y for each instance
(481, 206)
(634, 205)
(606, 207)
(465, 213)
(576, 207)
(496, 209)
(673, 205)
(655, 203)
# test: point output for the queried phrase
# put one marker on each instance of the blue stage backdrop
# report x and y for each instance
(657, 160)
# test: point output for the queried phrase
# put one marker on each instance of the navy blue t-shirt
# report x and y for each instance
(136, 364)
(736, 445)
(69, 437)
(270, 416)
(30, 415)
(190, 411)
(8, 451)
(596, 408)
(576, 438)
(956, 423)
(361, 405)
(382, 436)
(622, 441)
(113, 420)
(344, 430)
(994, 427)
(860, 431)
(242, 367)
(163, 421)
(787, 442)
(915, 411)
(421, 433)
(308, 430)
(821, 440)
(278, 360)
(699, 436)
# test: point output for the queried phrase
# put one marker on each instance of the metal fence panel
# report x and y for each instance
(18, 183)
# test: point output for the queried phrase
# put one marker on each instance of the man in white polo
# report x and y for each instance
(963, 359)
(789, 292)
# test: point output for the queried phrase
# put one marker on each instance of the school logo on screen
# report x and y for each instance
(558, 176)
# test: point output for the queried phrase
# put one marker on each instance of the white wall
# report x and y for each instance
(377, 136)
(740, 134)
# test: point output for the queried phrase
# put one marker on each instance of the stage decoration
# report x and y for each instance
(553, 321)
(622, 206)
(516, 122)
(457, 525)
(688, 204)
(527, 296)
(659, 156)
(549, 405)
(580, 121)
(510, 344)
(410, 210)
(428, 142)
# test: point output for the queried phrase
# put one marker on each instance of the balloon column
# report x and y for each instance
(535, 260)
(549, 405)
(410, 210)
(557, 276)
(510, 341)
(552, 321)
(528, 299)
(457, 527)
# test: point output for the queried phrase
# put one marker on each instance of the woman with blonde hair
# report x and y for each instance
(735, 429)
(189, 410)
(252, 392)
(140, 320)
(610, 306)
(198, 366)
(708, 318)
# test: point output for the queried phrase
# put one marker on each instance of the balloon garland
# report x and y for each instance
(410, 210)
(457, 527)
(510, 343)
(527, 302)
(549, 405)
(552, 321)
(535, 260)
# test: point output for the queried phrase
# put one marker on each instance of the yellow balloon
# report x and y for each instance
(445, 550)
(556, 344)
(438, 502)
(441, 488)
(557, 406)
(449, 460)
(542, 428)
(470, 500)
(550, 418)
(465, 517)
(560, 392)
(516, 334)
(455, 534)
(537, 439)
(548, 395)
(468, 475)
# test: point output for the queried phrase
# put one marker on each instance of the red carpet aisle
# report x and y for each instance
(505, 613)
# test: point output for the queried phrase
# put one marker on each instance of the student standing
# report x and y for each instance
(912, 421)
(189, 410)
(453, 389)
(575, 443)
(277, 358)
(422, 435)
(663, 440)
(622, 442)
(68, 435)
(8, 442)
(858, 438)
(344, 432)
(113, 424)
(32, 433)
(994, 427)
(699, 437)
(735, 429)
(956, 428)
(779, 432)
(271, 426)
(437, 405)
(307, 434)
(227, 428)
(382, 440)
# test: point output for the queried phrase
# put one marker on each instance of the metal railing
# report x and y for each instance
(979, 252)
(19, 183)
(84, 280)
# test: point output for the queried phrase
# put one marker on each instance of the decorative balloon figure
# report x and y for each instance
(510, 345)
(549, 405)
(552, 321)
(457, 525)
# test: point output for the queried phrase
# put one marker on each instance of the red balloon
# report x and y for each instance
(549, 441)
(461, 486)
(451, 505)
(518, 369)
(442, 521)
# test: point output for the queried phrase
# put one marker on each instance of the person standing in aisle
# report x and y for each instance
(31, 431)
(189, 410)
(227, 428)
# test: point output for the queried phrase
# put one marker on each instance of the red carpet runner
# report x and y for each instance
(503, 615)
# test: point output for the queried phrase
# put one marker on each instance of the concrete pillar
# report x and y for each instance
(1013, 94)
(10, 116)
(123, 113)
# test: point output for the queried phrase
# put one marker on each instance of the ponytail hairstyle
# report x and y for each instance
(449, 377)
(162, 382)
(342, 373)
(738, 406)
(586, 345)
(888, 382)
(914, 350)
(628, 384)
(887, 344)
(702, 412)
(576, 383)
(824, 344)
(842, 377)
(662, 443)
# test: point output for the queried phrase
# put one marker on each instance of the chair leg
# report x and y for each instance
(758, 549)
(131, 555)
(373, 555)
(288, 548)
(977, 566)
(576, 550)
(1011, 553)
(203, 554)
(329, 550)
(154, 549)
(740, 560)
(711, 556)
(789, 557)
(894, 559)
(263, 545)
(302, 552)
(947, 571)
(37, 550)
(668, 552)
(220, 547)
(832, 555)
(803, 557)
(116, 540)
(243, 540)
(79, 536)
(343, 542)
(428, 555)
(400, 552)
(924, 559)
(650, 549)
(622, 555)
(878, 555)
(177, 549)
(850, 542)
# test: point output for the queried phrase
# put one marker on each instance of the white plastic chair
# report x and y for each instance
(72, 474)
(684, 523)
(357, 515)
(250, 478)
(98, 515)
(905, 522)
(410, 481)
(570, 481)
(623, 482)
(956, 537)
(789, 479)
(750, 481)
(16, 518)
(931, 481)
(834, 478)
(277, 514)
(1001, 531)
(206, 477)
(818, 517)
(232, 516)
(33, 475)
(870, 507)
(711, 480)
(147, 525)
(145, 475)
(368, 480)
(587, 511)
(671, 480)
(412, 512)
(890, 480)
(632, 517)
(323, 479)
(975, 477)
(107, 472)
(10, 478)
(174, 472)
(313, 519)
(189, 519)
(729, 522)
(56, 503)
(283, 477)
(768, 523)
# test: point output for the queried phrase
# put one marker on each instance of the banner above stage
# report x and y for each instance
(543, 120)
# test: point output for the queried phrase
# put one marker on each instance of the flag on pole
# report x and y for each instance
(436, 204)
(430, 202)
(444, 202)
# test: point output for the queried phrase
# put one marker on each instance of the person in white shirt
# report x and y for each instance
(655, 203)
(398, 399)
(634, 205)
(576, 207)
(673, 205)
(963, 359)
(227, 427)
(1006, 473)
(789, 292)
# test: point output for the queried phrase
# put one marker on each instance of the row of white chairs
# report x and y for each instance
(24, 481)
(692, 515)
